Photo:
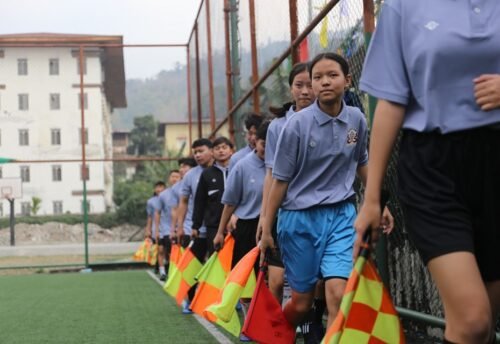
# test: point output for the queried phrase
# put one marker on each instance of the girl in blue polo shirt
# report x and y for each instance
(319, 153)
(435, 67)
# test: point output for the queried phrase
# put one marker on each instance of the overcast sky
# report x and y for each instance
(139, 21)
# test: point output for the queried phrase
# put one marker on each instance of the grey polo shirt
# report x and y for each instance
(151, 206)
(239, 155)
(273, 133)
(244, 187)
(318, 155)
(188, 189)
(425, 55)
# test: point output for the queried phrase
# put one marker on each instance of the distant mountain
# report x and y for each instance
(165, 95)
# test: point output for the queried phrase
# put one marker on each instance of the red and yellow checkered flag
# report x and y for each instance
(366, 313)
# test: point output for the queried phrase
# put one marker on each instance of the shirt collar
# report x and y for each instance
(257, 160)
(290, 112)
(222, 168)
(323, 118)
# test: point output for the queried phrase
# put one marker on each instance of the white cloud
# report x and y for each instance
(139, 21)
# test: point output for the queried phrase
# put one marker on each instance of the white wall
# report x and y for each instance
(40, 119)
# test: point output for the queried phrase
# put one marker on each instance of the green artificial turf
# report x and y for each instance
(100, 307)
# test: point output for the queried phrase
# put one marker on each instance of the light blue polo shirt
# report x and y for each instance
(425, 55)
(318, 156)
(151, 206)
(244, 187)
(174, 201)
(188, 188)
(239, 155)
(273, 134)
(165, 208)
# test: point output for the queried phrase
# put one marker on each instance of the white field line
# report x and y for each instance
(219, 336)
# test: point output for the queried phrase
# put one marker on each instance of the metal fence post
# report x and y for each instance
(210, 68)
(12, 223)
(253, 46)
(198, 81)
(84, 165)
(229, 83)
(235, 68)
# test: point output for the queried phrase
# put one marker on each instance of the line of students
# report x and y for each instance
(303, 162)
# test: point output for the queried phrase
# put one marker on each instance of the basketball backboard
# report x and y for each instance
(11, 188)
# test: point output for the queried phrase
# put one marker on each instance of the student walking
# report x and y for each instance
(319, 153)
(435, 67)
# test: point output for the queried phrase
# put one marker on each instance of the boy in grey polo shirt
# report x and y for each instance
(163, 220)
(243, 197)
(319, 153)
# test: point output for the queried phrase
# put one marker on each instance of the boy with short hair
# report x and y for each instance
(252, 123)
(185, 164)
(150, 229)
(207, 204)
(243, 196)
(203, 154)
(163, 219)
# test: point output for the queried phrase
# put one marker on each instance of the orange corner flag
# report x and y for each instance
(212, 276)
(183, 279)
(265, 322)
(366, 313)
(223, 310)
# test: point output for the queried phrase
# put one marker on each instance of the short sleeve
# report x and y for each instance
(271, 142)
(234, 187)
(287, 148)
(157, 204)
(186, 184)
(150, 208)
(384, 73)
(173, 200)
(363, 139)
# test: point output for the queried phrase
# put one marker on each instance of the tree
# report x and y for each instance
(144, 138)
(35, 204)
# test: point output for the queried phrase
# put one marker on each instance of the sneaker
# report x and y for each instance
(185, 308)
(238, 306)
(163, 277)
(312, 332)
(244, 338)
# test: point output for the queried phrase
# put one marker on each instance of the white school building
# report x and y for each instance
(40, 118)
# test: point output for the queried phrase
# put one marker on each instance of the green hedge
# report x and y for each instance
(107, 220)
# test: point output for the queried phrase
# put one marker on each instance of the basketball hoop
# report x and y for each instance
(6, 192)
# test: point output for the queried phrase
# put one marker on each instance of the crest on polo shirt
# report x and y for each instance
(352, 137)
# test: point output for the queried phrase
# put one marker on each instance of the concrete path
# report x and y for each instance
(68, 249)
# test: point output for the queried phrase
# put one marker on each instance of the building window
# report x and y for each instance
(22, 66)
(55, 137)
(56, 173)
(55, 101)
(86, 136)
(25, 174)
(24, 102)
(84, 65)
(58, 207)
(53, 66)
(88, 206)
(25, 208)
(85, 172)
(24, 137)
(85, 101)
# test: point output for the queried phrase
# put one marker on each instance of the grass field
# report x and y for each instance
(100, 307)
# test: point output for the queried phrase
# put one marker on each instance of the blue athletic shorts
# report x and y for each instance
(316, 243)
